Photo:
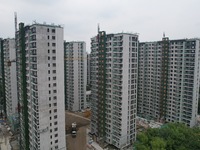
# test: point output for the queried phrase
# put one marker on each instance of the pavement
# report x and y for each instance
(91, 145)
(4, 138)
(73, 114)
(78, 142)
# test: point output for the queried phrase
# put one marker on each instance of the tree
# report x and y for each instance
(172, 136)
(158, 143)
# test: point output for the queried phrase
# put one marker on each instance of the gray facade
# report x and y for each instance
(114, 88)
(75, 75)
(40, 79)
(168, 80)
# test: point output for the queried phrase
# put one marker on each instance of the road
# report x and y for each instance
(79, 142)
(73, 114)
(4, 138)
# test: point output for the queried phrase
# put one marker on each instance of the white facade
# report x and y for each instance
(114, 88)
(88, 98)
(182, 78)
(10, 76)
(75, 75)
(44, 58)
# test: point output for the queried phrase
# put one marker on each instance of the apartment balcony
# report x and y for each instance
(115, 71)
(117, 55)
(117, 61)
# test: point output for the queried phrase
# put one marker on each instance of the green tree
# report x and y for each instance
(142, 147)
(172, 136)
(158, 143)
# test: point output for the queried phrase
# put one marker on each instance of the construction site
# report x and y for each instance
(82, 121)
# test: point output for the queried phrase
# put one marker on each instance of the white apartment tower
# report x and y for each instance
(9, 55)
(114, 88)
(168, 80)
(75, 75)
(40, 76)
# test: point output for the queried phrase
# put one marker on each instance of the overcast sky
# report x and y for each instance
(150, 18)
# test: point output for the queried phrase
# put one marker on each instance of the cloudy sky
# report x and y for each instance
(149, 18)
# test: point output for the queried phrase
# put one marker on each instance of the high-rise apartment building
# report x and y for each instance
(114, 88)
(88, 99)
(1, 56)
(168, 80)
(75, 75)
(40, 80)
(88, 70)
(2, 81)
(9, 55)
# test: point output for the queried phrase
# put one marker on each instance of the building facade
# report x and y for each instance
(9, 55)
(88, 99)
(168, 80)
(40, 80)
(75, 75)
(88, 71)
(114, 88)
(2, 82)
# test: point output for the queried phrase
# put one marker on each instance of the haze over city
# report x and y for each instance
(178, 19)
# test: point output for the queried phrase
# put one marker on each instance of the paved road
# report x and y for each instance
(73, 114)
(79, 142)
(4, 138)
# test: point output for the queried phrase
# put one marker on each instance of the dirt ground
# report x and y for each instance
(78, 142)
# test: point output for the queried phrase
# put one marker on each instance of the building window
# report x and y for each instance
(53, 30)
(54, 51)
(53, 44)
(54, 64)
(53, 37)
